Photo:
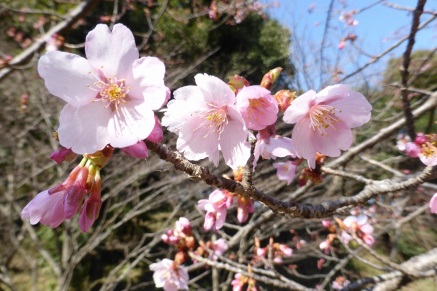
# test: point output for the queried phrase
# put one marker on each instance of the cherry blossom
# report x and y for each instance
(257, 107)
(269, 145)
(110, 95)
(286, 171)
(324, 120)
(169, 275)
(348, 18)
(208, 123)
(219, 247)
(216, 208)
(358, 226)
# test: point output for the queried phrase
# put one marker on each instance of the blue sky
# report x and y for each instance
(378, 29)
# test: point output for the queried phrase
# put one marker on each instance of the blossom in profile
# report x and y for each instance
(286, 171)
(169, 275)
(216, 207)
(433, 204)
(359, 226)
(269, 145)
(257, 106)
(324, 121)
(110, 95)
(207, 121)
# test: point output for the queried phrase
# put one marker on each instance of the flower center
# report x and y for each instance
(322, 117)
(216, 121)
(429, 150)
(256, 107)
(112, 91)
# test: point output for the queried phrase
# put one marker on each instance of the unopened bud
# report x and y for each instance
(237, 83)
(284, 99)
(270, 77)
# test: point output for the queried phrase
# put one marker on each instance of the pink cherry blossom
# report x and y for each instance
(216, 208)
(324, 120)
(269, 145)
(110, 95)
(219, 247)
(206, 119)
(286, 171)
(360, 226)
(170, 276)
(433, 204)
(257, 106)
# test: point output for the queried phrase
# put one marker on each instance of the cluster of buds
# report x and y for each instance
(212, 250)
(326, 245)
(350, 37)
(424, 147)
(181, 235)
(51, 207)
(273, 251)
(220, 200)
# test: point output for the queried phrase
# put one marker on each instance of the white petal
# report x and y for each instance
(115, 51)
(146, 81)
(132, 122)
(84, 129)
(67, 77)
(214, 90)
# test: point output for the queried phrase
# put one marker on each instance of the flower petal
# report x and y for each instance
(130, 123)
(146, 82)
(115, 51)
(299, 107)
(84, 129)
(67, 77)
(214, 90)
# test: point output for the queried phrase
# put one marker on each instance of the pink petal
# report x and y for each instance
(433, 204)
(89, 213)
(353, 110)
(115, 50)
(299, 107)
(84, 129)
(157, 134)
(214, 90)
(67, 77)
(132, 122)
(138, 150)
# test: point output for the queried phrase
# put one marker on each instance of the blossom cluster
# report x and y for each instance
(112, 96)
(423, 147)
